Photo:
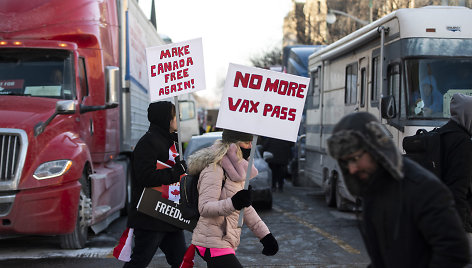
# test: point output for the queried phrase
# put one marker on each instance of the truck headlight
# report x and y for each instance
(52, 169)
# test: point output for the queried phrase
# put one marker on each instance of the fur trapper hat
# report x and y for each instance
(362, 131)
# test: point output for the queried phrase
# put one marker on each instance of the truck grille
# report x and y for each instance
(9, 145)
(13, 145)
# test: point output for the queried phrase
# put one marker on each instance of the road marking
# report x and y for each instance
(55, 253)
(343, 215)
(333, 238)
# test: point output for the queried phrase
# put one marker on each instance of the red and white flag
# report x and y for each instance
(161, 165)
(123, 250)
(189, 257)
(170, 192)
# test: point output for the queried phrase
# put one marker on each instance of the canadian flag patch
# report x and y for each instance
(170, 192)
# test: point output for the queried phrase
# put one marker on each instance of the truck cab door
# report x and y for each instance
(86, 119)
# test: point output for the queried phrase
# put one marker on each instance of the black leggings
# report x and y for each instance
(147, 242)
(278, 175)
(226, 261)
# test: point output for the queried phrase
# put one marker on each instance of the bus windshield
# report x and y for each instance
(37, 73)
(432, 82)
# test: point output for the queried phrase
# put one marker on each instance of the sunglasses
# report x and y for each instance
(351, 160)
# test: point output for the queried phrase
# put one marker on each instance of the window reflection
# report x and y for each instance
(187, 110)
(432, 82)
(37, 73)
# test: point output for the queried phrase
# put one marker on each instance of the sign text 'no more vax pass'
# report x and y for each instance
(175, 69)
(262, 102)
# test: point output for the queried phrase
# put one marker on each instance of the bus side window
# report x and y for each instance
(350, 86)
(393, 78)
(374, 93)
(363, 86)
(314, 90)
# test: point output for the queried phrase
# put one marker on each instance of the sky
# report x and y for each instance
(231, 31)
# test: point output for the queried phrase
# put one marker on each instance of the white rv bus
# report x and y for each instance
(427, 56)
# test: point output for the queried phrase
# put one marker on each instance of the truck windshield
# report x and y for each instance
(36, 72)
(432, 82)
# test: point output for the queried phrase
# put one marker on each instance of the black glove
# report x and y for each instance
(242, 199)
(270, 245)
(177, 170)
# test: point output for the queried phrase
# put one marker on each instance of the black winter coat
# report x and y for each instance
(456, 162)
(412, 222)
(153, 146)
(281, 149)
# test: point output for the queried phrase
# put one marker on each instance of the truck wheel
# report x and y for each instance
(78, 237)
(341, 202)
(330, 191)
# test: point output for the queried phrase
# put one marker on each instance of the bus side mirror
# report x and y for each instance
(388, 108)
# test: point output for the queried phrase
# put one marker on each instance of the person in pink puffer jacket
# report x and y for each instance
(222, 169)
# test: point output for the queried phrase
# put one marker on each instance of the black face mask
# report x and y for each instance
(246, 152)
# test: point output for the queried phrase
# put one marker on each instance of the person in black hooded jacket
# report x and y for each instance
(408, 215)
(282, 153)
(456, 155)
(158, 144)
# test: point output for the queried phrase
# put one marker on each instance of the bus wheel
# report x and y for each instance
(341, 202)
(330, 191)
(78, 237)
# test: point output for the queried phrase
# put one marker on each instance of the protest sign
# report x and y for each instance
(175, 69)
(262, 102)
(162, 202)
(152, 203)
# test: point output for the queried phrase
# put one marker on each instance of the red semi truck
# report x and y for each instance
(73, 100)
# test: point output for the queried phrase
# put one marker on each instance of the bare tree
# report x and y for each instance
(368, 10)
(306, 23)
(269, 58)
(302, 37)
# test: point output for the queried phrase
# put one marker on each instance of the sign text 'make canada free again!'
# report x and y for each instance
(175, 70)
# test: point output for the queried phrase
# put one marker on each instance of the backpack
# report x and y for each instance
(188, 203)
(425, 148)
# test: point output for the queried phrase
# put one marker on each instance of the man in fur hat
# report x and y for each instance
(408, 216)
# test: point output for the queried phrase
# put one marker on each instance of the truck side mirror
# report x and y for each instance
(388, 108)
(65, 107)
(112, 74)
(62, 107)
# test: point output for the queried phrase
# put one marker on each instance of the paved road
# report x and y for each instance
(309, 235)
